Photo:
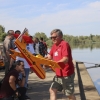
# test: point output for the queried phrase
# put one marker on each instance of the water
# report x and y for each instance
(91, 56)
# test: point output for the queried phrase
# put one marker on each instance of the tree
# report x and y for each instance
(2, 29)
(2, 33)
(49, 43)
(38, 35)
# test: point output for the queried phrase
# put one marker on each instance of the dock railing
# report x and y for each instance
(87, 88)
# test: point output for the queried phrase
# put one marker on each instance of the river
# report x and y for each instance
(89, 56)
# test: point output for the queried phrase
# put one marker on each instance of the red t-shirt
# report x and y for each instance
(57, 53)
(6, 90)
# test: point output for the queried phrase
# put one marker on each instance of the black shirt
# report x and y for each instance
(6, 90)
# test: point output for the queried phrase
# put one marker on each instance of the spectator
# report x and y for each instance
(7, 45)
(39, 47)
(8, 89)
(64, 79)
(17, 32)
(41, 40)
(30, 48)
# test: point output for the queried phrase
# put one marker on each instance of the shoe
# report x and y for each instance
(27, 98)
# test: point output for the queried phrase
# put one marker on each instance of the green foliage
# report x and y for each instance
(2, 33)
(38, 35)
(80, 40)
(49, 43)
(3, 36)
(2, 29)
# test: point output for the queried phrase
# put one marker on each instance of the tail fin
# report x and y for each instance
(20, 37)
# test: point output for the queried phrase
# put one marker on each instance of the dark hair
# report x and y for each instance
(16, 63)
(10, 32)
(41, 38)
(37, 38)
(31, 37)
(18, 31)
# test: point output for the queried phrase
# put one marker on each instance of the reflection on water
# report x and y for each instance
(89, 53)
(82, 46)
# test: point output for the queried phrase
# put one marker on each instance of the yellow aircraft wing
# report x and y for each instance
(53, 66)
(15, 53)
(1, 63)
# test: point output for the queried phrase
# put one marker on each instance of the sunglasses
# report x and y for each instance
(53, 37)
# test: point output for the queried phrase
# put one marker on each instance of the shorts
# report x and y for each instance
(64, 83)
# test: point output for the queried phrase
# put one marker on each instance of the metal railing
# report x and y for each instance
(81, 89)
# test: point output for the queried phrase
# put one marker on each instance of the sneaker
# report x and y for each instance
(27, 98)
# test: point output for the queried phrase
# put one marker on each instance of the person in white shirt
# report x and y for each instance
(30, 48)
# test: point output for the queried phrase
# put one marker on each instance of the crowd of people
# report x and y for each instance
(36, 47)
(15, 82)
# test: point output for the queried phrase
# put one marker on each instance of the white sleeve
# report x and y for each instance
(17, 50)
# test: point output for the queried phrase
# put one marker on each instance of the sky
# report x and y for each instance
(73, 17)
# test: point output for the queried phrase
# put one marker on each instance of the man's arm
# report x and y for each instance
(64, 60)
(12, 84)
(22, 82)
(8, 47)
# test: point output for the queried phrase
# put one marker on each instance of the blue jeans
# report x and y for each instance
(27, 70)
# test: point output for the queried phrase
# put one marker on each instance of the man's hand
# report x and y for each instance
(48, 57)
(23, 72)
(18, 94)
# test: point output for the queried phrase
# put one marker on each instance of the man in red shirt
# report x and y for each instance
(64, 79)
